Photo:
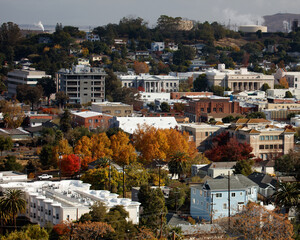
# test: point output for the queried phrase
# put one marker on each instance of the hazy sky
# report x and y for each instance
(100, 12)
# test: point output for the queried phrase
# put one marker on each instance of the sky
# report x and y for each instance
(99, 12)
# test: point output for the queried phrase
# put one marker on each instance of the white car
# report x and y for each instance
(45, 177)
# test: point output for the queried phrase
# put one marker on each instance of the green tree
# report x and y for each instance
(265, 87)
(287, 195)
(6, 144)
(228, 119)
(217, 90)
(136, 176)
(165, 107)
(65, 121)
(154, 209)
(243, 167)
(98, 211)
(33, 94)
(11, 164)
(177, 163)
(289, 164)
(61, 98)
(35, 232)
(201, 83)
(48, 87)
(288, 94)
(256, 115)
(46, 155)
(13, 203)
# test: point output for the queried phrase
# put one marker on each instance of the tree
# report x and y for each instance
(265, 87)
(33, 94)
(46, 156)
(228, 119)
(12, 115)
(154, 209)
(243, 167)
(13, 203)
(256, 222)
(256, 115)
(289, 164)
(11, 164)
(6, 144)
(48, 86)
(226, 149)
(201, 83)
(287, 195)
(217, 90)
(61, 98)
(35, 232)
(70, 164)
(99, 178)
(136, 176)
(283, 82)
(177, 163)
(288, 94)
(165, 107)
(98, 211)
(123, 152)
(140, 67)
(91, 230)
(65, 121)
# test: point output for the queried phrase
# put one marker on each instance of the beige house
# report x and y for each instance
(266, 140)
(117, 109)
(202, 133)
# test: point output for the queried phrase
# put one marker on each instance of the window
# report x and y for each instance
(233, 194)
(194, 201)
(200, 192)
(49, 212)
(275, 146)
(267, 137)
(34, 216)
(241, 193)
(275, 137)
(262, 138)
(261, 147)
(249, 190)
(206, 134)
(57, 216)
(90, 121)
(267, 147)
(194, 191)
(197, 202)
(271, 146)
(204, 193)
(214, 109)
(42, 208)
(218, 195)
(68, 217)
(280, 146)
(34, 206)
(96, 120)
(117, 111)
(224, 206)
(220, 109)
(202, 109)
(271, 137)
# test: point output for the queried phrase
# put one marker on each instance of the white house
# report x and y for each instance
(54, 202)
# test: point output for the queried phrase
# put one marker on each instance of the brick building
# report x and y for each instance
(196, 110)
(91, 120)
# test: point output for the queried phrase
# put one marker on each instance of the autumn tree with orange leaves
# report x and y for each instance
(140, 67)
(161, 144)
(256, 222)
(98, 146)
(284, 83)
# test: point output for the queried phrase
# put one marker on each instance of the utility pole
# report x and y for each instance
(211, 208)
(60, 157)
(123, 181)
(228, 199)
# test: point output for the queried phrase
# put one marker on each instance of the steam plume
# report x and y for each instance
(40, 25)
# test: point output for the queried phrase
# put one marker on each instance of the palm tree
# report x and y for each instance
(13, 203)
(287, 195)
(4, 216)
(177, 163)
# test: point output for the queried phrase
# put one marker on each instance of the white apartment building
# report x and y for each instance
(238, 80)
(82, 83)
(293, 78)
(28, 76)
(151, 83)
(157, 46)
(54, 202)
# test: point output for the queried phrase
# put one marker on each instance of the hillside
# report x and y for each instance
(230, 42)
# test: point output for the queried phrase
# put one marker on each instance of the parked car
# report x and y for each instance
(45, 177)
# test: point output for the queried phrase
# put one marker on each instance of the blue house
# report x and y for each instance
(211, 198)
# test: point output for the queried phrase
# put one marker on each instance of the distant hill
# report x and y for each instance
(280, 22)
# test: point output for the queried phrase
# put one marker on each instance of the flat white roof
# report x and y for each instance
(130, 124)
(87, 114)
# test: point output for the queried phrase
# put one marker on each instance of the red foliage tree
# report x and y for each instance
(70, 164)
(227, 149)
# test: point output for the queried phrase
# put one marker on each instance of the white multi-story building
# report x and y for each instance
(238, 80)
(28, 76)
(151, 83)
(82, 84)
(54, 202)
(293, 78)
(157, 46)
